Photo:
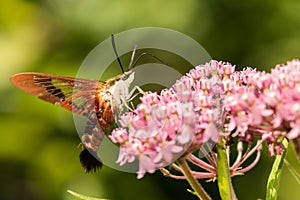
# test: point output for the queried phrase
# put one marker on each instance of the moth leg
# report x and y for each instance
(131, 96)
(131, 105)
(126, 105)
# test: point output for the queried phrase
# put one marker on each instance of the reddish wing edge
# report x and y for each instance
(63, 92)
(25, 81)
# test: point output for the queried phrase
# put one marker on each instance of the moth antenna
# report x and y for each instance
(148, 54)
(132, 57)
(116, 53)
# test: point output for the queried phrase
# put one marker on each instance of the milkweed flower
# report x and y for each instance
(164, 126)
(159, 129)
(268, 106)
(210, 104)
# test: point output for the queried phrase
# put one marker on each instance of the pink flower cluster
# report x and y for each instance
(164, 126)
(267, 105)
(159, 127)
(210, 102)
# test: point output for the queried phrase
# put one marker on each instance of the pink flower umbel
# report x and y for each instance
(268, 106)
(157, 132)
(211, 104)
(173, 123)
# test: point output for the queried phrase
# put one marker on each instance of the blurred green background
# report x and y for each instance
(38, 148)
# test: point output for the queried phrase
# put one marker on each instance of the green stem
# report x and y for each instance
(275, 175)
(199, 191)
(224, 181)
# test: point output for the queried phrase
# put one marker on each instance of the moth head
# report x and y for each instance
(127, 77)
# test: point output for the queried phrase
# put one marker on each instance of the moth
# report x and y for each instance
(96, 100)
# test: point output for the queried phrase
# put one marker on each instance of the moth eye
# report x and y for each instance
(125, 76)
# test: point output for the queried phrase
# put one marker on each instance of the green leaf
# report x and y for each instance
(224, 180)
(274, 177)
(83, 197)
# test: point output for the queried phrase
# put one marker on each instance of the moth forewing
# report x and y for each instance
(59, 90)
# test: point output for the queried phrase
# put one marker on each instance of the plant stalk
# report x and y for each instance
(199, 191)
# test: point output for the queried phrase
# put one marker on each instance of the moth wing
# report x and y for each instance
(75, 94)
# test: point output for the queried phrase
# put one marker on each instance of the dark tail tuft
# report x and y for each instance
(89, 161)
